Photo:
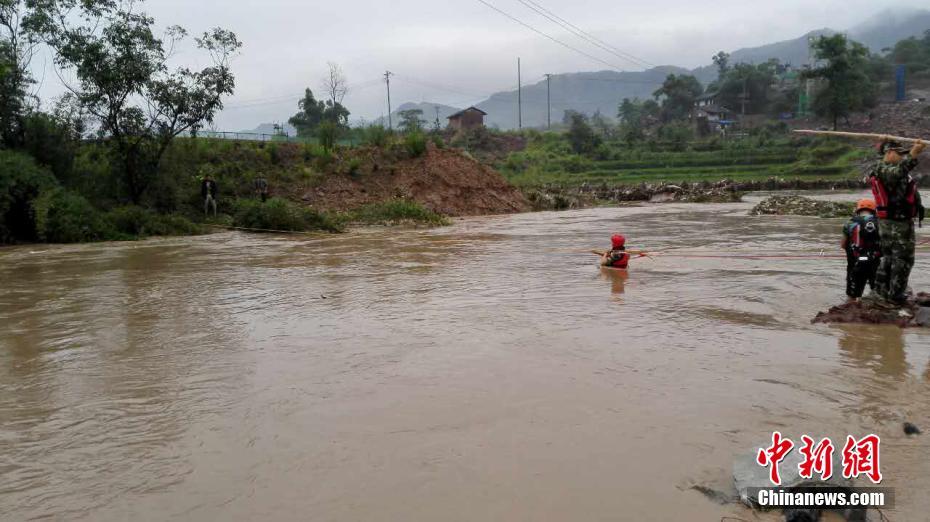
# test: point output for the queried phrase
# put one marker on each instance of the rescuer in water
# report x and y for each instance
(617, 256)
(861, 240)
(897, 205)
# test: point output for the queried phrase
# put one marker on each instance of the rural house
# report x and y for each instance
(469, 118)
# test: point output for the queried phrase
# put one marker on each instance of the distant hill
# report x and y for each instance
(268, 128)
(586, 92)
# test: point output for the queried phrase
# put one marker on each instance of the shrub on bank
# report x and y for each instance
(396, 211)
(280, 214)
(66, 217)
(21, 182)
(377, 136)
(140, 222)
(415, 143)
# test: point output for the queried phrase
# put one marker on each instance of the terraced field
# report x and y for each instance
(808, 160)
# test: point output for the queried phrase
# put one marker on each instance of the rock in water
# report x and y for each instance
(910, 429)
(801, 206)
(913, 313)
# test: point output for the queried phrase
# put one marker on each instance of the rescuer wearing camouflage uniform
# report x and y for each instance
(898, 204)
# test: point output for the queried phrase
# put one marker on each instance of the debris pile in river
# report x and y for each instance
(914, 313)
(801, 206)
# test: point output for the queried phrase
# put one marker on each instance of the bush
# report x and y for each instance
(140, 222)
(21, 182)
(66, 217)
(415, 144)
(438, 141)
(396, 211)
(377, 136)
(280, 214)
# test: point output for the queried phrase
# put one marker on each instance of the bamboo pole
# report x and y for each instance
(862, 136)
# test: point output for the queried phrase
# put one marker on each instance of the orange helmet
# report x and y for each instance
(865, 204)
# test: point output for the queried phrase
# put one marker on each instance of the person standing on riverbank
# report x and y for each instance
(261, 187)
(208, 192)
(897, 205)
(861, 241)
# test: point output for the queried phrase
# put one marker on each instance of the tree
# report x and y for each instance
(602, 125)
(311, 114)
(18, 43)
(126, 85)
(722, 61)
(848, 86)
(335, 84)
(410, 120)
(752, 81)
(314, 112)
(580, 135)
(678, 94)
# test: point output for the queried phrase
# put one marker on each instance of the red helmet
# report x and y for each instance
(618, 241)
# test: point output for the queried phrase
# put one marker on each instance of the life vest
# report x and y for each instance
(862, 237)
(898, 207)
(620, 259)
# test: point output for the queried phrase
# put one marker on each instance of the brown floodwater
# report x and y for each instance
(482, 371)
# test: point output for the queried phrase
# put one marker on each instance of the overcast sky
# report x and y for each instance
(459, 51)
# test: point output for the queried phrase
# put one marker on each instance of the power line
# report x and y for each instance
(440, 87)
(556, 40)
(271, 100)
(572, 28)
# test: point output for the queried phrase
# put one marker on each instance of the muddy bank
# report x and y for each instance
(914, 313)
(723, 191)
(444, 181)
(779, 205)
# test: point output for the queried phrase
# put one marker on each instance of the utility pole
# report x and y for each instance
(387, 80)
(548, 102)
(519, 97)
(745, 97)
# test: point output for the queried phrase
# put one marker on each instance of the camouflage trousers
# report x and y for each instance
(897, 243)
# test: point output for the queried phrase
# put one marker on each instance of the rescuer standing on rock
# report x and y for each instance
(897, 205)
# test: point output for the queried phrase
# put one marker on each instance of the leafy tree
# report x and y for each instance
(581, 136)
(309, 116)
(848, 86)
(678, 94)
(126, 84)
(722, 61)
(914, 53)
(18, 44)
(755, 81)
(602, 125)
(312, 113)
(337, 114)
(410, 120)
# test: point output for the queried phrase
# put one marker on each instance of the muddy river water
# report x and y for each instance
(482, 371)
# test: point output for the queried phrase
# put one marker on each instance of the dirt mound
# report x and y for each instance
(802, 206)
(445, 181)
(868, 311)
